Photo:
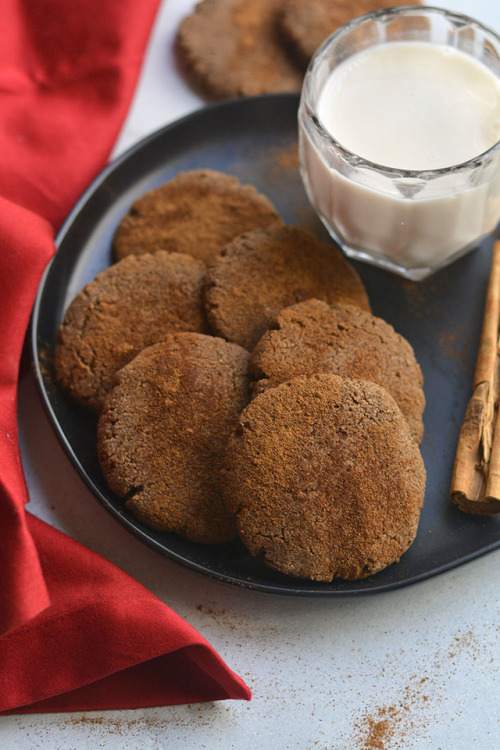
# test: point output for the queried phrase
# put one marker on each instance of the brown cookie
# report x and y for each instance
(306, 25)
(324, 478)
(261, 272)
(128, 306)
(232, 48)
(164, 428)
(314, 337)
(196, 213)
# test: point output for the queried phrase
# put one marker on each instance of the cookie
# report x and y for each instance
(324, 478)
(232, 48)
(344, 340)
(196, 213)
(163, 431)
(306, 25)
(261, 272)
(128, 306)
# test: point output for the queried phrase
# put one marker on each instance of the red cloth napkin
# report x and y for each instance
(75, 631)
(105, 642)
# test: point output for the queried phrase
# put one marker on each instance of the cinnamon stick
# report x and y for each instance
(475, 483)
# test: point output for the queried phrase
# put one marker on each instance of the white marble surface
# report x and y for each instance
(419, 665)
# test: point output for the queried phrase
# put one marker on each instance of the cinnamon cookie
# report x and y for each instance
(261, 272)
(164, 428)
(196, 213)
(306, 25)
(232, 48)
(128, 306)
(324, 478)
(314, 337)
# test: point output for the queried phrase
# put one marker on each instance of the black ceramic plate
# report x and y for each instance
(255, 139)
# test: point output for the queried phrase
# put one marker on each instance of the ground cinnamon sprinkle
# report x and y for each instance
(288, 158)
(419, 297)
(377, 729)
(395, 726)
(380, 730)
(282, 162)
(45, 359)
(392, 727)
(456, 345)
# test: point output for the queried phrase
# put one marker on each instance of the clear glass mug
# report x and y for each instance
(409, 222)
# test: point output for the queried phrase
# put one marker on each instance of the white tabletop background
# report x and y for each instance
(425, 659)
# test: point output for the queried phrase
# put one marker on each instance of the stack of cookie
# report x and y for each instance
(243, 386)
(231, 48)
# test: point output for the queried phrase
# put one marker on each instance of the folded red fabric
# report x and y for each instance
(104, 642)
(75, 632)
(26, 242)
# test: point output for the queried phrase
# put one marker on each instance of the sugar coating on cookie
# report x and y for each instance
(196, 212)
(128, 306)
(324, 478)
(232, 48)
(263, 271)
(306, 25)
(164, 428)
(313, 336)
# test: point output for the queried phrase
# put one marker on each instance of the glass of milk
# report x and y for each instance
(399, 137)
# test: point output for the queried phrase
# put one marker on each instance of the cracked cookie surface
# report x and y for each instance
(313, 337)
(232, 48)
(128, 306)
(163, 430)
(324, 478)
(262, 271)
(196, 213)
(306, 25)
